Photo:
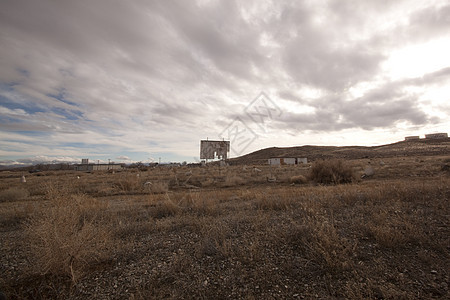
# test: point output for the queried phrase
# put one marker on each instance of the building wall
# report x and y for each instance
(302, 160)
(214, 149)
(98, 167)
(287, 161)
(81, 168)
(436, 136)
(412, 138)
(274, 161)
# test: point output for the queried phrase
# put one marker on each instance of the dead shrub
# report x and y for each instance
(128, 183)
(233, 181)
(200, 204)
(319, 240)
(331, 172)
(391, 230)
(157, 187)
(14, 194)
(274, 202)
(215, 241)
(446, 168)
(207, 182)
(12, 216)
(68, 236)
(166, 208)
(298, 179)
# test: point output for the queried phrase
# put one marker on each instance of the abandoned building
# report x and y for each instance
(433, 136)
(214, 149)
(412, 138)
(86, 166)
(287, 160)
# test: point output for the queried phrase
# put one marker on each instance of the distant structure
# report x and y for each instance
(86, 166)
(214, 149)
(287, 160)
(433, 136)
(55, 167)
(412, 138)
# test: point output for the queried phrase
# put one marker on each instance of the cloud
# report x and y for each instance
(108, 77)
(431, 20)
(12, 112)
(123, 157)
(378, 107)
(47, 159)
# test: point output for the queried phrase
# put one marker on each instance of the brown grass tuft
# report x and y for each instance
(331, 172)
(166, 208)
(299, 179)
(14, 194)
(274, 202)
(157, 187)
(233, 181)
(67, 237)
(128, 183)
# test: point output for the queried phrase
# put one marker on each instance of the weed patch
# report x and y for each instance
(331, 172)
(14, 194)
(68, 236)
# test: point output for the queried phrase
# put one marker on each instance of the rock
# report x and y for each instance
(377, 293)
(369, 171)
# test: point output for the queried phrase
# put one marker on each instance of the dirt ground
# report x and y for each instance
(228, 232)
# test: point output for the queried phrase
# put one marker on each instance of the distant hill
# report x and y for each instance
(420, 147)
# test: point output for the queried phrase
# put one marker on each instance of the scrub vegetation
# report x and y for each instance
(320, 230)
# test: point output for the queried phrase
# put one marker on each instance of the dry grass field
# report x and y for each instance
(239, 232)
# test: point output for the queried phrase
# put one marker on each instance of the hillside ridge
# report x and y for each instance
(402, 148)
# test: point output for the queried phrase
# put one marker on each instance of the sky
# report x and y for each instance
(146, 80)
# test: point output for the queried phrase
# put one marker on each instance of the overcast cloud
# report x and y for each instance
(132, 80)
